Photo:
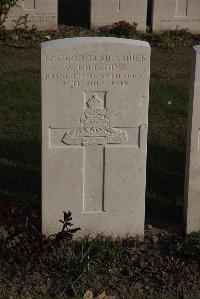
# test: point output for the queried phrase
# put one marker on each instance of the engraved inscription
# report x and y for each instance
(126, 57)
(96, 127)
(194, 220)
(96, 70)
(36, 19)
(183, 20)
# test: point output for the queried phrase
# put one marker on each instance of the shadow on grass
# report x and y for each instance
(163, 215)
(165, 186)
(20, 179)
(20, 176)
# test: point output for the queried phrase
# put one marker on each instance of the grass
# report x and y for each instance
(20, 125)
(166, 149)
(20, 130)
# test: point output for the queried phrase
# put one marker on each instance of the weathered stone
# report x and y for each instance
(95, 94)
(107, 12)
(173, 14)
(40, 14)
(192, 174)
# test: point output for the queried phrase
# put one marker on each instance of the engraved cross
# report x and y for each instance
(30, 4)
(119, 5)
(95, 134)
(181, 8)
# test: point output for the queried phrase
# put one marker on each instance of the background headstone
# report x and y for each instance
(41, 14)
(192, 177)
(107, 12)
(95, 94)
(170, 14)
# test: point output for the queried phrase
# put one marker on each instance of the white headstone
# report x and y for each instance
(107, 12)
(192, 175)
(173, 14)
(95, 94)
(41, 14)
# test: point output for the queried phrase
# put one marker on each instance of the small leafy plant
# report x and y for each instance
(5, 6)
(22, 235)
(164, 41)
(22, 22)
(122, 29)
(169, 39)
(191, 245)
(66, 233)
(181, 33)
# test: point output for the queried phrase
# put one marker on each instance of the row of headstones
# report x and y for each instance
(166, 14)
(95, 97)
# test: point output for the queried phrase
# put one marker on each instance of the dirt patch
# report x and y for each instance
(124, 268)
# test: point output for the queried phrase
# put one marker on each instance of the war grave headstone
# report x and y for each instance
(40, 14)
(172, 14)
(95, 94)
(192, 174)
(107, 12)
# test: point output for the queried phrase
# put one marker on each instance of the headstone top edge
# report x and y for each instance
(197, 49)
(79, 40)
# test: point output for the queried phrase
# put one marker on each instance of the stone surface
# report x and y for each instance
(185, 14)
(192, 174)
(95, 94)
(42, 14)
(107, 12)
